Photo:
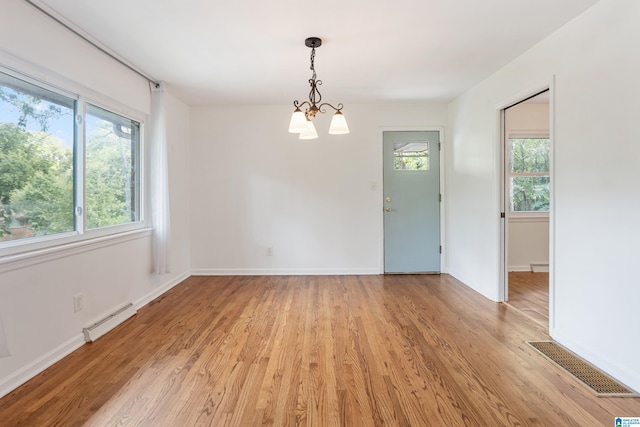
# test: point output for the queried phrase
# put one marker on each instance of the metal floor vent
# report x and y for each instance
(600, 383)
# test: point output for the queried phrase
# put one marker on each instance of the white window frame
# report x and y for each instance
(14, 253)
(521, 134)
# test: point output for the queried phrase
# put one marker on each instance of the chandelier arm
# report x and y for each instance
(300, 104)
(338, 109)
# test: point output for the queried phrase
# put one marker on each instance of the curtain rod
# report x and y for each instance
(140, 73)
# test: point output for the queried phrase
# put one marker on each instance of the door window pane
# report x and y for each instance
(36, 160)
(411, 156)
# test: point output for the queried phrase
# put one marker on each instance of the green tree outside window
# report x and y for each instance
(37, 176)
(529, 174)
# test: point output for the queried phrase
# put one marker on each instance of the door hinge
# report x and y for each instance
(440, 248)
(502, 215)
(438, 146)
(440, 198)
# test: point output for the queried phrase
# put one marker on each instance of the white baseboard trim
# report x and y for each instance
(10, 383)
(284, 272)
(519, 268)
(494, 296)
(146, 299)
(537, 268)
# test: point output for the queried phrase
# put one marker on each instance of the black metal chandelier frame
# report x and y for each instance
(314, 104)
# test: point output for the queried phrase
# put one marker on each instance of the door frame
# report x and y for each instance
(503, 208)
(380, 193)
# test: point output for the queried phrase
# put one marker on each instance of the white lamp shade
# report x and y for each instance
(309, 132)
(338, 124)
(298, 122)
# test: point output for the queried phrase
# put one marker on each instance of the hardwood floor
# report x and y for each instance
(529, 293)
(314, 350)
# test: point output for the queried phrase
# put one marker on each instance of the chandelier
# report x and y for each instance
(301, 122)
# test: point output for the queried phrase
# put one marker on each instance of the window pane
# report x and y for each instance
(112, 191)
(411, 156)
(529, 155)
(529, 193)
(36, 160)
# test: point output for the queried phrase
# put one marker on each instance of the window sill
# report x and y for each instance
(26, 259)
(537, 217)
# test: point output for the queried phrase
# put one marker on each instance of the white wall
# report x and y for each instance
(36, 295)
(317, 203)
(528, 236)
(528, 243)
(594, 217)
(528, 119)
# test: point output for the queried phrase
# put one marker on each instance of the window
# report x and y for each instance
(411, 156)
(528, 172)
(111, 177)
(58, 177)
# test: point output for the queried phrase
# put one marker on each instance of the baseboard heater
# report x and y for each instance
(100, 328)
(539, 268)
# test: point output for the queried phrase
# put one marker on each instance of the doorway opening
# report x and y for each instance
(526, 201)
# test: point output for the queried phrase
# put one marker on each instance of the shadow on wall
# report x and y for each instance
(4, 347)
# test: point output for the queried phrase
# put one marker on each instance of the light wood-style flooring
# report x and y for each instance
(409, 350)
(529, 293)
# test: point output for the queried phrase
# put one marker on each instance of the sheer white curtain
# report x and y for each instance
(4, 347)
(159, 182)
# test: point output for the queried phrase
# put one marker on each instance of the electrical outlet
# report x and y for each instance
(269, 251)
(78, 303)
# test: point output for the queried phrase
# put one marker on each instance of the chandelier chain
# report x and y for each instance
(314, 95)
(313, 57)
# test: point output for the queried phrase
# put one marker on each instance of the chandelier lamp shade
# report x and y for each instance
(302, 121)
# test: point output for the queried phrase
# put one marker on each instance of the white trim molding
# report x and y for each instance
(284, 271)
(10, 383)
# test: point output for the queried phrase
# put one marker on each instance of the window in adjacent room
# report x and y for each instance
(528, 174)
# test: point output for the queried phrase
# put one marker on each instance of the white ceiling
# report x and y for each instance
(374, 51)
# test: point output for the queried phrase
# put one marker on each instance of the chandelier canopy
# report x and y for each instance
(301, 122)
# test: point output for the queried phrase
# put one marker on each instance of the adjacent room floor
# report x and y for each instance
(529, 293)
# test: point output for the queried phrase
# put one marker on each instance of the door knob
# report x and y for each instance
(388, 209)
